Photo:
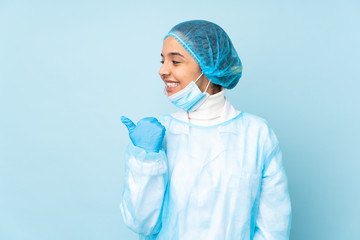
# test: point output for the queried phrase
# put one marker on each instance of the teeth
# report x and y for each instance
(172, 84)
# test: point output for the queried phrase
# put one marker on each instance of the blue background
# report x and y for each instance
(70, 69)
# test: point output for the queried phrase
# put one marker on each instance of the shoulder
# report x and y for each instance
(254, 124)
(165, 119)
(254, 120)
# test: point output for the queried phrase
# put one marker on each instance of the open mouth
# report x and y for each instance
(172, 84)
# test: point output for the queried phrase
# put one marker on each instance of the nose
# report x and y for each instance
(164, 70)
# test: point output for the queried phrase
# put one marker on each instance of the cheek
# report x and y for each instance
(183, 77)
(186, 74)
(189, 77)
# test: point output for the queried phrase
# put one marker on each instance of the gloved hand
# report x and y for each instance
(148, 134)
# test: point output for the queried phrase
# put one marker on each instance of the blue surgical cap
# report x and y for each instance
(212, 49)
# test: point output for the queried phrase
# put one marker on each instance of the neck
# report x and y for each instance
(214, 89)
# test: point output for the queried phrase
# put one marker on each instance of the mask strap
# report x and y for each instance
(207, 86)
(208, 83)
(198, 77)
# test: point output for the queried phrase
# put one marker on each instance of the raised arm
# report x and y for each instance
(145, 177)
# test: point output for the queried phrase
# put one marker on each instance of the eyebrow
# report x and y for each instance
(174, 54)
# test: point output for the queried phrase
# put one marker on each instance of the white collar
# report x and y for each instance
(228, 113)
(211, 109)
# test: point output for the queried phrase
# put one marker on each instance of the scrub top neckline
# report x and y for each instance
(204, 127)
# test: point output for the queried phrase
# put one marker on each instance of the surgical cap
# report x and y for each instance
(212, 49)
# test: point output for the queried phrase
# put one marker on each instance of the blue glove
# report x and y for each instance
(148, 134)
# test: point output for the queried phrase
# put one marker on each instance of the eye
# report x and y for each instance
(162, 62)
(175, 62)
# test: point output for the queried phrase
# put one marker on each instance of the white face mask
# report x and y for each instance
(190, 98)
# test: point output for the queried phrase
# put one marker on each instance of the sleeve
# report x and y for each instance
(144, 187)
(274, 214)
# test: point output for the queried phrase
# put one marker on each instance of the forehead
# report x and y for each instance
(171, 45)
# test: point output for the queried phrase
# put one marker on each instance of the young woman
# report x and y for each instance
(207, 171)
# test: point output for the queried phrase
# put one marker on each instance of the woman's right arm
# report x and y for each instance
(144, 189)
(145, 176)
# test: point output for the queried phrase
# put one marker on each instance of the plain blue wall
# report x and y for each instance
(70, 69)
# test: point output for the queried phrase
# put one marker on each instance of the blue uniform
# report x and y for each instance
(219, 182)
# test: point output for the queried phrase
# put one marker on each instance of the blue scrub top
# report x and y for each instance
(219, 182)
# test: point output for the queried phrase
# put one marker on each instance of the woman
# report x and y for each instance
(207, 171)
